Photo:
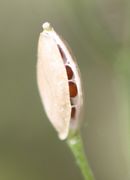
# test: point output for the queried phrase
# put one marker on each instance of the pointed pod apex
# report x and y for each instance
(47, 26)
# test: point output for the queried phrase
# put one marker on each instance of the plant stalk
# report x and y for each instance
(76, 146)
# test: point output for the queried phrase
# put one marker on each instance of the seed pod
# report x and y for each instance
(58, 82)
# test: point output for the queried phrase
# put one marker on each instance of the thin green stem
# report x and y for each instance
(76, 146)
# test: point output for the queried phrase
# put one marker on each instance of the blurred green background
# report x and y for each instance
(98, 32)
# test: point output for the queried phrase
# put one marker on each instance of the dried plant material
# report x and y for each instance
(58, 82)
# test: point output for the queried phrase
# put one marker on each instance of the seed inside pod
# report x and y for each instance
(62, 54)
(73, 111)
(73, 89)
(69, 72)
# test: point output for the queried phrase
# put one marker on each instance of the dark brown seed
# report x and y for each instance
(69, 72)
(62, 53)
(73, 111)
(73, 89)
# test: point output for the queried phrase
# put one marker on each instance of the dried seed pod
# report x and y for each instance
(58, 82)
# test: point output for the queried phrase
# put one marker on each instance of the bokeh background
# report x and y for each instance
(98, 32)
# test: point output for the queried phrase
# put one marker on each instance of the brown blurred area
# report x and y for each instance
(96, 30)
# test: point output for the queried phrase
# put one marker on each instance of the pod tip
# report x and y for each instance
(47, 26)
